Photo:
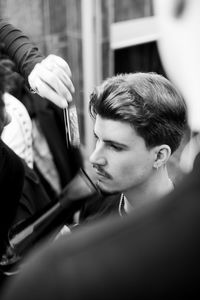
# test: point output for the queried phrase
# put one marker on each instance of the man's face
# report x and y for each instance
(121, 159)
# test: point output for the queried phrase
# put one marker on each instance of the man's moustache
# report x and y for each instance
(101, 171)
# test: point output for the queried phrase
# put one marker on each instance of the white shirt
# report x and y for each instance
(18, 133)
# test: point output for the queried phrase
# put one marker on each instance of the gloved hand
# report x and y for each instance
(51, 79)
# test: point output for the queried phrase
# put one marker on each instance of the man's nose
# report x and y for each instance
(97, 157)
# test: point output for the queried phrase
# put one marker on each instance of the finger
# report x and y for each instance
(54, 59)
(61, 74)
(46, 91)
(54, 73)
(52, 80)
(61, 85)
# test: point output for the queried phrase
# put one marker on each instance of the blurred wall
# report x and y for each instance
(142, 56)
(129, 9)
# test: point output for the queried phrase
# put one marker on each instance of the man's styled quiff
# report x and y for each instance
(147, 101)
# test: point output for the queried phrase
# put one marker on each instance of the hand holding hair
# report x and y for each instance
(51, 79)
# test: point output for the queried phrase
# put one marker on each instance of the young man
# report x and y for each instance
(140, 120)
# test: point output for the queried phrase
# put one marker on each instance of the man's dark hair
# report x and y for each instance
(147, 101)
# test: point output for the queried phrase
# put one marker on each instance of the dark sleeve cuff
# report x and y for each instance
(19, 48)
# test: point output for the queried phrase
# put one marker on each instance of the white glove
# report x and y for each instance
(51, 79)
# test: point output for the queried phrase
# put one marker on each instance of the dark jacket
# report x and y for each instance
(51, 121)
(11, 183)
(33, 198)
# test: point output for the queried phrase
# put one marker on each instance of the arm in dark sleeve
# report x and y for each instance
(19, 48)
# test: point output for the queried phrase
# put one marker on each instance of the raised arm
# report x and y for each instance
(50, 77)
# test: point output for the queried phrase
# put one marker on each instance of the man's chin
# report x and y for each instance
(105, 189)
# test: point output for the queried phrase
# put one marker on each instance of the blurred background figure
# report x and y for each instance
(185, 23)
(29, 197)
(25, 137)
(16, 132)
(37, 131)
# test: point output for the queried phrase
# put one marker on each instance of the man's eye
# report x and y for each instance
(95, 137)
(115, 147)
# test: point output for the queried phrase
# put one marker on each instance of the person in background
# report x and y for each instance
(140, 120)
(153, 254)
(33, 198)
(19, 136)
(50, 78)
(37, 131)
(12, 112)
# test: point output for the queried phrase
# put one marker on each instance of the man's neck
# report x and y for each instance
(159, 185)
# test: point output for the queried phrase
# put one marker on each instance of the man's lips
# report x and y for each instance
(102, 173)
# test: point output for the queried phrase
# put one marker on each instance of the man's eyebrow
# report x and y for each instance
(124, 146)
(112, 142)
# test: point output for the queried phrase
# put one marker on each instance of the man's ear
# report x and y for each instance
(162, 154)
